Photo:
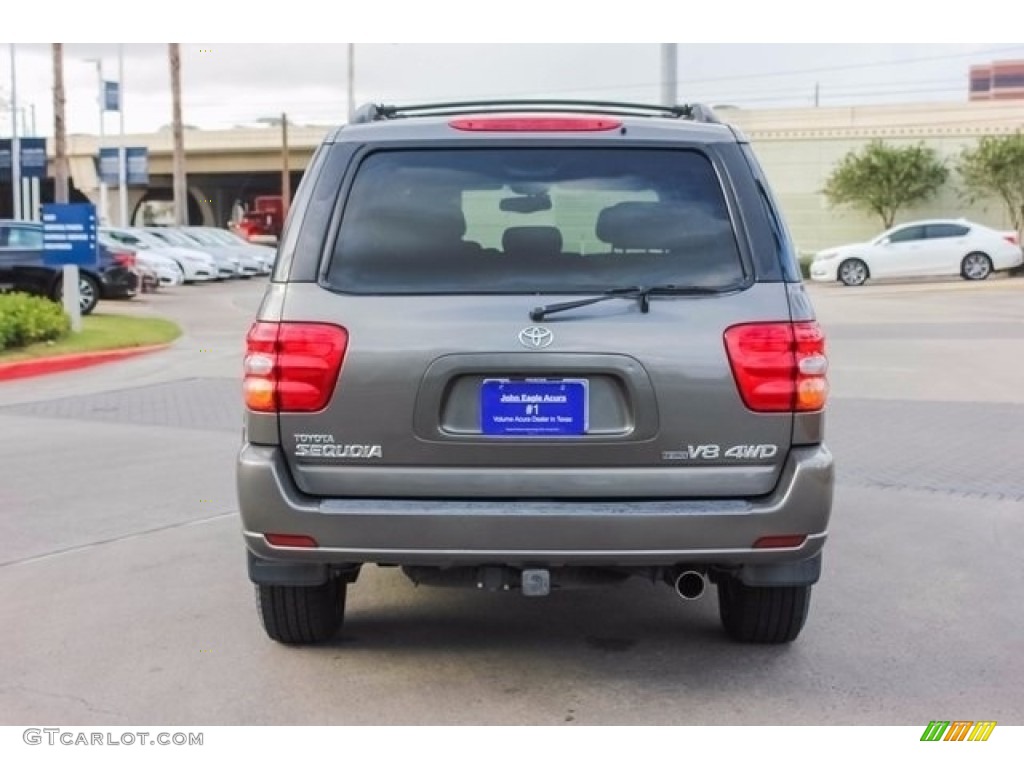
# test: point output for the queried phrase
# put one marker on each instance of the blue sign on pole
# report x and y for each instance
(69, 235)
(109, 165)
(33, 158)
(138, 166)
(111, 96)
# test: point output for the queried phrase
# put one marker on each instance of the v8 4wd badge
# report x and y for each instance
(712, 451)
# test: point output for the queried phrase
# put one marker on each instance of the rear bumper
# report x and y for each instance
(538, 533)
(119, 283)
(1007, 261)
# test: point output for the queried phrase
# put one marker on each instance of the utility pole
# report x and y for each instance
(669, 70)
(351, 81)
(60, 151)
(286, 178)
(180, 188)
(817, 94)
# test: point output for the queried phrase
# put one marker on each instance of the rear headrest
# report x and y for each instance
(532, 241)
(657, 226)
(444, 222)
(404, 230)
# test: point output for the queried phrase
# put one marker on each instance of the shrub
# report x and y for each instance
(28, 319)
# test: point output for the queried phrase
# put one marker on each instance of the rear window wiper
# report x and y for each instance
(638, 292)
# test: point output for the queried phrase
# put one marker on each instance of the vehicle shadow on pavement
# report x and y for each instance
(636, 627)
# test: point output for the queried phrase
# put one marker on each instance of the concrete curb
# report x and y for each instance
(23, 369)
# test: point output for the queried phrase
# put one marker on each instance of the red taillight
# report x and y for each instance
(1011, 238)
(533, 123)
(292, 366)
(123, 258)
(779, 366)
(290, 540)
(780, 542)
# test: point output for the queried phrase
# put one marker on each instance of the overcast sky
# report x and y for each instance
(230, 84)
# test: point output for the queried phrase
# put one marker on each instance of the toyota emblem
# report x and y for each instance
(536, 337)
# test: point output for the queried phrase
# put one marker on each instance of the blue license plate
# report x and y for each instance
(533, 407)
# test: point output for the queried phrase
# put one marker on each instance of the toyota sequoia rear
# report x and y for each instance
(533, 347)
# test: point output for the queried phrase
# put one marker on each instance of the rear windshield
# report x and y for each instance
(534, 220)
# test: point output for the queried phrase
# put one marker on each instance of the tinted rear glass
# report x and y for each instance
(534, 220)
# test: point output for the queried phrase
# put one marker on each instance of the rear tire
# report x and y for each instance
(302, 615)
(89, 292)
(766, 615)
(976, 266)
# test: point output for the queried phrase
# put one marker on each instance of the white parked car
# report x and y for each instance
(195, 265)
(163, 269)
(263, 254)
(167, 270)
(933, 248)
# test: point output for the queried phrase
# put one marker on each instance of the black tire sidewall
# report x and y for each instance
(58, 291)
(95, 292)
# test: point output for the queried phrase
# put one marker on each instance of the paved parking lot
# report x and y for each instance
(123, 588)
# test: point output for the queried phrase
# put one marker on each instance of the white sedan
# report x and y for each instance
(194, 264)
(935, 248)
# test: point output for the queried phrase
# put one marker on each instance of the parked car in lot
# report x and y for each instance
(264, 255)
(933, 248)
(247, 265)
(22, 268)
(195, 265)
(227, 266)
(157, 271)
(546, 345)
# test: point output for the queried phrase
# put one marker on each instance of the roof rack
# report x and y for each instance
(369, 113)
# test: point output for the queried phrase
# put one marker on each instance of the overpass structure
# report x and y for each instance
(797, 147)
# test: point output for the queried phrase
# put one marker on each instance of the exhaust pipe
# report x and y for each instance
(690, 585)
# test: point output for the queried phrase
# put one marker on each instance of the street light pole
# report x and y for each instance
(103, 219)
(286, 178)
(15, 144)
(34, 201)
(351, 81)
(122, 160)
(669, 68)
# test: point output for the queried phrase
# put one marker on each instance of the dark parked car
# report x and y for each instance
(22, 268)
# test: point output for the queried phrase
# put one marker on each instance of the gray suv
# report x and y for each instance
(534, 346)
